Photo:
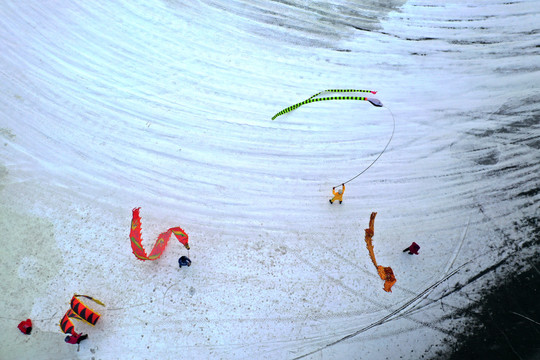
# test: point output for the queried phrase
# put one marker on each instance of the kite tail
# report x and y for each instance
(385, 273)
(136, 237)
(369, 238)
(342, 90)
(161, 242)
(66, 325)
(181, 236)
(373, 101)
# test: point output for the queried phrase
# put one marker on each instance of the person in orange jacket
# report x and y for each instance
(337, 195)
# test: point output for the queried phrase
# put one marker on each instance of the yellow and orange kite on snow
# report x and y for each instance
(385, 273)
(161, 242)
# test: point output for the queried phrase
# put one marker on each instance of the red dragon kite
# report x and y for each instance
(161, 242)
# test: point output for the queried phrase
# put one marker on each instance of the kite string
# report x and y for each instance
(382, 152)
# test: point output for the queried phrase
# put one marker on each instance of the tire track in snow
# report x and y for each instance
(378, 304)
(390, 316)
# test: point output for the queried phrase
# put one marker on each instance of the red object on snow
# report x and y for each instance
(413, 249)
(75, 338)
(25, 326)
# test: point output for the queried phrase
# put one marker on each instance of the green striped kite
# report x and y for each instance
(314, 98)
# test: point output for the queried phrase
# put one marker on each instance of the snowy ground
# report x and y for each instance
(110, 105)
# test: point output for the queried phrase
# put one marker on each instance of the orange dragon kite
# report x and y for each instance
(385, 273)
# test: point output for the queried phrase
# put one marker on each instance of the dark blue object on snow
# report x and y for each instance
(184, 261)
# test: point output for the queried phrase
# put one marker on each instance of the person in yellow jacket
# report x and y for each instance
(338, 195)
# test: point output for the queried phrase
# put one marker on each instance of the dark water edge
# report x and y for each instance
(506, 322)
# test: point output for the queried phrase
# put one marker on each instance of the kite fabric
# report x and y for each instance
(79, 311)
(314, 98)
(161, 242)
(385, 273)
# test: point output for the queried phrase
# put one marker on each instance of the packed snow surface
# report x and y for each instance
(167, 105)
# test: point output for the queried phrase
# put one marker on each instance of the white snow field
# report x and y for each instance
(166, 105)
